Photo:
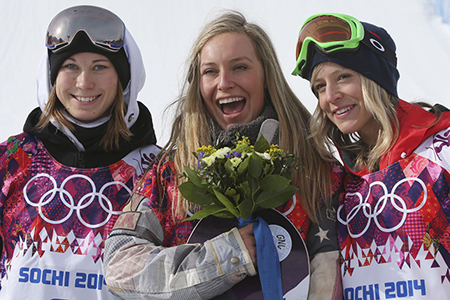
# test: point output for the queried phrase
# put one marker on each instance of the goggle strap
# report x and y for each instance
(376, 45)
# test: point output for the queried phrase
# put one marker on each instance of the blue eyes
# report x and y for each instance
(320, 87)
(75, 67)
(211, 71)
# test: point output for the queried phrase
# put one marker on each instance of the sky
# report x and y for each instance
(165, 31)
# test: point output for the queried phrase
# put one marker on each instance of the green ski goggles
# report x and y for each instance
(334, 34)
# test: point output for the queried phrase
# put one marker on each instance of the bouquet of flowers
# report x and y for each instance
(235, 182)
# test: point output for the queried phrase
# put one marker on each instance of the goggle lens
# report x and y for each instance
(327, 33)
(324, 29)
(104, 28)
(335, 34)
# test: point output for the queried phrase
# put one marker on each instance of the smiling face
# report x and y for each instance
(340, 97)
(231, 79)
(86, 85)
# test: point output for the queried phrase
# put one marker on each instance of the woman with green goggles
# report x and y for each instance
(393, 224)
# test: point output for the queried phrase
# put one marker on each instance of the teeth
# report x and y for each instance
(85, 99)
(341, 111)
(230, 100)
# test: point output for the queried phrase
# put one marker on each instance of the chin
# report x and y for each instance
(344, 131)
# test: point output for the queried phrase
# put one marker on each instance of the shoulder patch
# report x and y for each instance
(127, 220)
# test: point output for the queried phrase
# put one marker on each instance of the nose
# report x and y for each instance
(332, 92)
(85, 81)
(225, 81)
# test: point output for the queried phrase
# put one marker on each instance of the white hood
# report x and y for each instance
(137, 80)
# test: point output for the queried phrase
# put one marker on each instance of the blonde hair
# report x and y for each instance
(192, 124)
(381, 105)
(116, 127)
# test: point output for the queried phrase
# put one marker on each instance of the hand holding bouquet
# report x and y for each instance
(236, 182)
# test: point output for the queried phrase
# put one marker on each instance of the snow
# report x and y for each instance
(165, 31)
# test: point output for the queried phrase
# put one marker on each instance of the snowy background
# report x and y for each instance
(165, 30)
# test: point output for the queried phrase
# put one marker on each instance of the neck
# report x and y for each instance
(250, 130)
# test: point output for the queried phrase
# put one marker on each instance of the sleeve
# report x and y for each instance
(3, 172)
(323, 248)
(137, 266)
(3, 166)
(11, 155)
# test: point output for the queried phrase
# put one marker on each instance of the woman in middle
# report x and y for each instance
(234, 84)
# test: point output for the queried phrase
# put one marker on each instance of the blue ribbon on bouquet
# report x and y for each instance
(267, 257)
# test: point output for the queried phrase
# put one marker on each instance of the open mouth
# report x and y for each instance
(231, 106)
(344, 110)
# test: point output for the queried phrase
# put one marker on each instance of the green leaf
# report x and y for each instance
(224, 214)
(229, 168)
(246, 208)
(270, 199)
(261, 145)
(195, 194)
(268, 169)
(274, 183)
(225, 201)
(230, 192)
(255, 165)
(243, 166)
(193, 176)
(243, 148)
(253, 185)
(243, 190)
(210, 210)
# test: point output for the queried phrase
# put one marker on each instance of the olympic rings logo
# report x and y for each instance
(372, 213)
(67, 199)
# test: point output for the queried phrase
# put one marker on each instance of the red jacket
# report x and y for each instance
(414, 127)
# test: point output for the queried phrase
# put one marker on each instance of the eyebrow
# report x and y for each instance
(332, 74)
(101, 60)
(232, 60)
(94, 61)
(242, 58)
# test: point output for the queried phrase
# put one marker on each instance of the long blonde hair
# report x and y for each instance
(116, 127)
(192, 124)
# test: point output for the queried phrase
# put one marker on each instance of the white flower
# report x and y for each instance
(222, 152)
(235, 161)
(264, 155)
(209, 160)
(246, 154)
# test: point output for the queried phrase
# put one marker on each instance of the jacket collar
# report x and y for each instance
(66, 152)
(414, 128)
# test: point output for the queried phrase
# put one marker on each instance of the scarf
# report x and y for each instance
(251, 130)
